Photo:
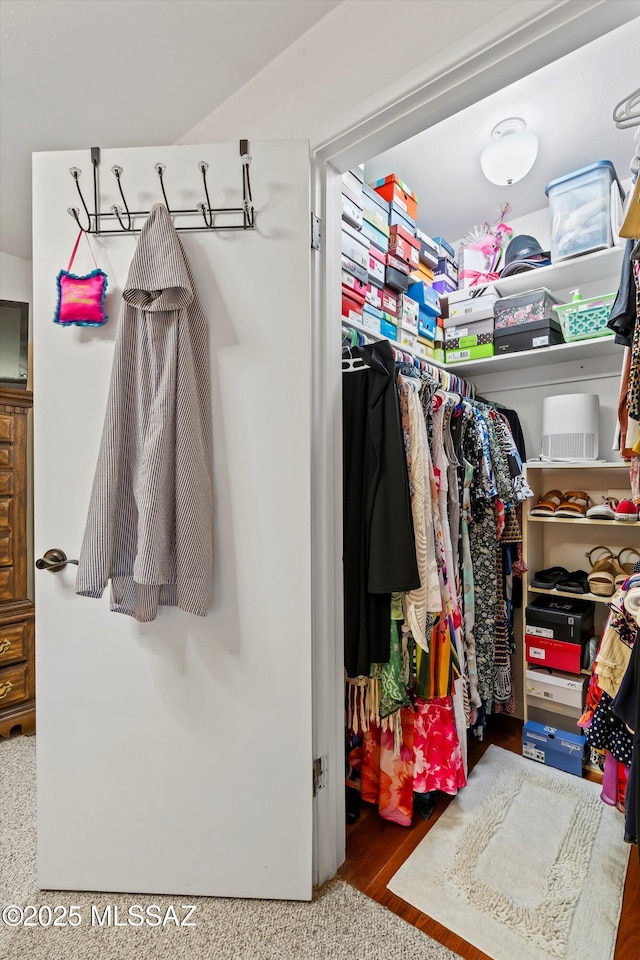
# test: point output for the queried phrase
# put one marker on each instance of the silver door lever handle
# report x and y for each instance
(54, 560)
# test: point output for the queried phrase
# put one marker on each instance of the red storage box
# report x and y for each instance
(556, 654)
(397, 263)
(353, 287)
(351, 309)
(392, 188)
(403, 245)
(390, 301)
(373, 296)
(376, 266)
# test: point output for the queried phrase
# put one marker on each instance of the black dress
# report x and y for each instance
(379, 552)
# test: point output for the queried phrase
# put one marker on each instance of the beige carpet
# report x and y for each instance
(340, 924)
(526, 863)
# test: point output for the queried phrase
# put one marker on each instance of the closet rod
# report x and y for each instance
(435, 368)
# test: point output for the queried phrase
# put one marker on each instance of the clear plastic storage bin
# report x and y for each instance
(580, 210)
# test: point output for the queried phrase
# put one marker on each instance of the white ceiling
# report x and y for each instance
(567, 104)
(109, 73)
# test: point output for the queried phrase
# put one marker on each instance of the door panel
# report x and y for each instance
(175, 756)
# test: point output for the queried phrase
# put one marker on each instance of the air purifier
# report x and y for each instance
(570, 427)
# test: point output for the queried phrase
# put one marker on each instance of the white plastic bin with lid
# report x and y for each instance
(580, 207)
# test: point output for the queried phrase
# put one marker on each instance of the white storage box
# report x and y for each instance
(581, 207)
(557, 688)
(469, 309)
(460, 327)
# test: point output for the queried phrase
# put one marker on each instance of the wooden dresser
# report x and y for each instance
(17, 653)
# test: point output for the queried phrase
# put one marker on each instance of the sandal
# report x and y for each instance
(576, 582)
(601, 579)
(548, 579)
(623, 570)
(547, 504)
(574, 504)
(628, 567)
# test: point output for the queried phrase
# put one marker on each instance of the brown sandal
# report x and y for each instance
(547, 504)
(601, 578)
(574, 504)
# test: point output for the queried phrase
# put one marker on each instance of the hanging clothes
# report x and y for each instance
(379, 553)
(149, 526)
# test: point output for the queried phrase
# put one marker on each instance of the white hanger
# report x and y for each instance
(627, 112)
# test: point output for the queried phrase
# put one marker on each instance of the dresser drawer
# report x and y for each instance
(6, 426)
(5, 513)
(6, 554)
(6, 483)
(6, 455)
(14, 638)
(14, 685)
(6, 584)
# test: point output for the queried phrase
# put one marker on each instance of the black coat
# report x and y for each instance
(379, 552)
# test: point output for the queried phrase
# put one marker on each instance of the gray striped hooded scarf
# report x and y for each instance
(149, 526)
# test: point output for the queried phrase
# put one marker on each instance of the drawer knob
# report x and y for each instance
(54, 560)
(4, 645)
(5, 688)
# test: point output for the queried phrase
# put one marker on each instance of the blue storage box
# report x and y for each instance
(374, 235)
(398, 218)
(372, 318)
(388, 328)
(555, 748)
(444, 248)
(425, 295)
(443, 284)
(427, 323)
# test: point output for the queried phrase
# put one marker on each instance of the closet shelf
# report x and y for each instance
(525, 359)
(628, 524)
(572, 596)
(602, 265)
(394, 343)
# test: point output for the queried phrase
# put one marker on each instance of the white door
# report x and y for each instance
(176, 756)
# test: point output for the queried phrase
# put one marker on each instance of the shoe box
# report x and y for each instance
(555, 748)
(555, 699)
(528, 336)
(557, 632)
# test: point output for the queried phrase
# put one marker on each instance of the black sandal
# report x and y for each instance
(575, 582)
(548, 579)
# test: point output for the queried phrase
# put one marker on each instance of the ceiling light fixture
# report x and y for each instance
(511, 153)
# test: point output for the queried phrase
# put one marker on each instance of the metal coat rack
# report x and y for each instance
(124, 216)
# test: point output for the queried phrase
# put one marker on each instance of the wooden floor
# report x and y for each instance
(377, 848)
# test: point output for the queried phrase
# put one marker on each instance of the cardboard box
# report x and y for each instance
(396, 279)
(470, 353)
(355, 245)
(528, 336)
(373, 296)
(393, 189)
(458, 327)
(408, 339)
(408, 313)
(555, 654)
(444, 248)
(449, 268)
(560, 618)
(392, 261)
(525, 308)
(443, 284)
(373, 202)
(563, 750)
(351, 208)
(422, 274)
(375, 236)
(469, 340)
(376, 221)
(389, 328)
(471, 308)
(398, 218)
(353, 287)
(353, 182)
(428, 250)
(351, 309)
(426, 296)
(557, 690)
(390, 301)
(355, 268)
(555, 720)
(404, 246)
(371, 318)
(427, 325)
(376, 266)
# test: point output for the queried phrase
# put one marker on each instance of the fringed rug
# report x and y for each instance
(526, 863)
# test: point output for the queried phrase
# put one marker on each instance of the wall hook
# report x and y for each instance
(160, 169)
(117, 172)
(205, 209)
(76, 173)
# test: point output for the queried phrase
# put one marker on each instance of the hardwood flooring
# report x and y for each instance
(377, 848)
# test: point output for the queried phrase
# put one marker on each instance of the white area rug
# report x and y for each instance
(526, 863)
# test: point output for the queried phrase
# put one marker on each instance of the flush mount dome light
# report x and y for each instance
(511, 153)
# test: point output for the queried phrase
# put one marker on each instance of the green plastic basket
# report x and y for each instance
(586, 319)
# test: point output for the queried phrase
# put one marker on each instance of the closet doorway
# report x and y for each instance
(374, 848)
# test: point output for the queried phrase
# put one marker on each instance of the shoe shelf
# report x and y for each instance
(572, 596)
(631, 524)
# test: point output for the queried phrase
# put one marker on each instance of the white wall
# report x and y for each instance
(15, 280)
